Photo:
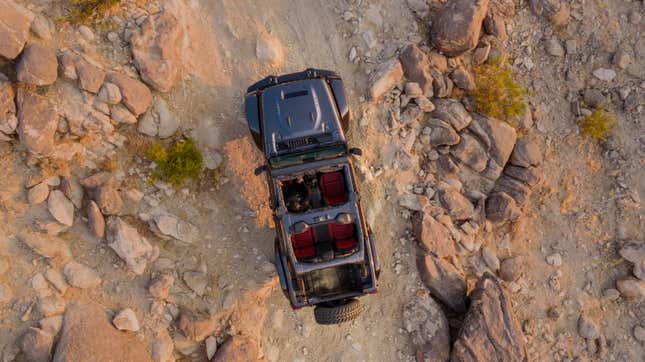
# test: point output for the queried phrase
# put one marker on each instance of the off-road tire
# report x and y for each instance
(337, 313)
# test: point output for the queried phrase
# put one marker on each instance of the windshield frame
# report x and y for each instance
(314, 154)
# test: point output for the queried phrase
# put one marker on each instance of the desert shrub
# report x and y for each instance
(598, 124)
(178, 162)
(497, 94)
(84, 10)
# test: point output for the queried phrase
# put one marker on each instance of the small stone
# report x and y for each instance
(56, 279)
(554, 259)
(511, 269)
(38, 65)
(526, 153)
(196, 281)
(162, 346)
(463, 79)
(384, 78)
(424, 104)
(457, 205)
(412, 89)
(86, 32)
(554, 47)
(50, 306)
(108, 198)
(122, 115)
(173, 226)
(490, 258)
(126, 320)
(133, 248)
(135, 95)
(631, 288)
(160, 286)
(571, 46)
(168, 122)
(211, 347)
(587, 328)
(411, 114)
(611, 294)
(81, 276)
(61, 208)
(51, 325)
(72, 190)
(90, 76)
(639, 333)
(621, 59)
(554, 313)
(45, 246)
(269, 50)
(604, 74)
(110, 93)
(38, 194)
(95, 220)
(37, 122)
(41, 27)
(36, 345)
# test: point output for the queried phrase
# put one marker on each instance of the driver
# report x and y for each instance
(297, 196)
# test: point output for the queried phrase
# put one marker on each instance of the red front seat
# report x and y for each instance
(332, 185)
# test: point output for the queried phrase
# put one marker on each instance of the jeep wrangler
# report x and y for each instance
(324, 250)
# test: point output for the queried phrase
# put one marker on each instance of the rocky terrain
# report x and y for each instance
(501, 239)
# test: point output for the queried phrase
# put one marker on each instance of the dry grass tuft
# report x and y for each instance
(598, 124)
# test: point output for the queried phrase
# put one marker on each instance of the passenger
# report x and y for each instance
(315, 197)
(297, 196)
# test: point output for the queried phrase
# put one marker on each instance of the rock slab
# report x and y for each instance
(15, 22)
(456, 27)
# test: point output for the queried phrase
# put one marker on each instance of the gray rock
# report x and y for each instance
(554, 259)
(108, 198)
(110, 93)
(80, 276)
(495, 25)
(501, 207)
(631, 288)
(501, 136)
(452, 112)
(38, 65)
(442, 133)
(621, 59)
(480, 55)
(490, 258)
(95, 220)
(121, 114)
(426, 322)
(86, 32)
(126, 320)
(457, 205)
(511, 269)
(639, 333)
(445, 282)
(489, 331)
(587, 328)
(72, 190)
(15, 21)
(385, 77)
(171, 225)
(416, 68)
(36, 345)
(594, 98)
(470, 152)
(60, 207)
(211, 347)
(148, 125)
(454, 35)
(196, 281)
(463, 79)
(514, 188)
(554, 10)
(529, 176)
(442, 85)
(155, 49)
(50, 306)
(38, 121)
(411, 114)
(269, 50)
(168, 122)
(42, 27)
(135, 95)
(425, 104)
(87, 335)
(526, 153)
(8, 120)
(633, 251)
(38, 194)
(162, 346)
(133, 248)
(46, 246)
(604, 74)
(553, 47)
(433, 236)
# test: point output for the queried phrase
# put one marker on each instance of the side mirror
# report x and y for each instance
(356, 151)
(261, 169)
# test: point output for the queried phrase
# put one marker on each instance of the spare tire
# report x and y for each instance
(338, 312)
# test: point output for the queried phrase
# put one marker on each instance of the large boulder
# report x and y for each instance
(489, 331)
(424, 319)
(135, 95)
(453, 112)
(471, 153)
(445, 282)
(133, 248)
(385, 77)
(433, 236)
(416, 67)
(37, 122)
(456, 27)
(155, 49)
(87, 335)
(239, 348)
(8, 120)
(15, 22)
(38, 65)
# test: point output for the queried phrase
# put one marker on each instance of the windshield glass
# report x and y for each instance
(311, 155)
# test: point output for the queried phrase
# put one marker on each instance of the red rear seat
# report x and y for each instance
(343, 235)
(334, 190)
(303, 244)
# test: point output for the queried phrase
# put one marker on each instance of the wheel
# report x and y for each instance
(338, 312)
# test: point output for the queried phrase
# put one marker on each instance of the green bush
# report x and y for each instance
(84, 10)
(598, 124)
(176, 163)
(497, 94)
